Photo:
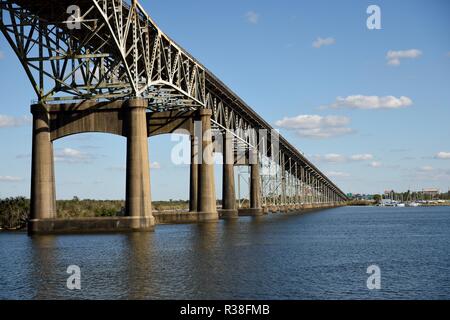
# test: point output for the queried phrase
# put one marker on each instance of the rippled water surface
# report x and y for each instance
(317, 255)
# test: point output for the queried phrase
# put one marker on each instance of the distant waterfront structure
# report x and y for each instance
(432, 192)
(424, 194)
(389, 194)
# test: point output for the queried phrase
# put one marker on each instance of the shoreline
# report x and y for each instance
(166, 217)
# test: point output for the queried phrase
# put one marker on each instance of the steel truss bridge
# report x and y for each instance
(113, 51)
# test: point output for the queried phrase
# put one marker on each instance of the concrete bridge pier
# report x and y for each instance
(193, 178)
(207, 210)
(127, 118)
(229, 210)
(138, 203)
(255, 188)
(43, 197)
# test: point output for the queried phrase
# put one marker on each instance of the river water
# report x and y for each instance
(317, 255)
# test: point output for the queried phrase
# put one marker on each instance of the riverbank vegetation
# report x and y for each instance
(14, 211)
(361, 203)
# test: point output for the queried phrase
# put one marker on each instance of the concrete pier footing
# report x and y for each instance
(43, 196)
(229, 210)
(251, 212)
(90, 225)
(255, 189)
(138, 203)
(207, 209)
(228, 214)
(193, 176)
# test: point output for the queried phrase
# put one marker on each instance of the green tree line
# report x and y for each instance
(14, 212)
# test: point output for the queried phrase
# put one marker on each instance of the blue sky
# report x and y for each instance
(371, 119)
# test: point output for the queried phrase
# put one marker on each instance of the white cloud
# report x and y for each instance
(315, 126)
(252, 17)
(427, 168)
(330, 157)
(370, 102)
(155, 165)
(394, 57)
(319, 42)
(72, 156)
(362, 157)
(394, 62)
(375, 164)
(8, 121)
(337, 174)
(333, 157)
(10, 179)
(442, 155)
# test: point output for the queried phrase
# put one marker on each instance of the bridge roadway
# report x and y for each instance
(117, 72)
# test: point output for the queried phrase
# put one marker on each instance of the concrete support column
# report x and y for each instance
(229, 209)
(322, 192)
(193, 181)
(308, 186)
(43, 198)
(314, 183)
(319, 192)
(138, 196)
(206, 184)
(255, 186)
(316, 193)
(302, 185)
(311, 189)
(283, 181)
(297, 186)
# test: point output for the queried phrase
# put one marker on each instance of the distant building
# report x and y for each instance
(359, 196)
(430, 191)
(388, 194)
